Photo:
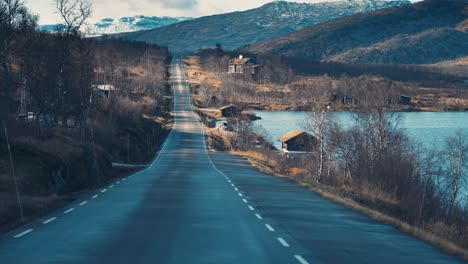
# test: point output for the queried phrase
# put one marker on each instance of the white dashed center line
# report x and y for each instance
(251, 208)
(270, 228)
(83, 203)
(236, 189)
(103, 191)
(95, 196)
(240, 194)
(50, 220)
(259, 216)
(301, 259)
(283, 242)
(244, 200)
(23, 233)
(69, 211)
(117, 182)
(112, 186)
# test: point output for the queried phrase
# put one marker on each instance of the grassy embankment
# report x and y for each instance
(375, 204)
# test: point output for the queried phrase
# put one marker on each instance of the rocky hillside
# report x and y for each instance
(426, 32)
(234, 30)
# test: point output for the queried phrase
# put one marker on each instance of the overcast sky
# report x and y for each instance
(120, 8)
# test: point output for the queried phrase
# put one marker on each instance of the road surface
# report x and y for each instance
(192, 206)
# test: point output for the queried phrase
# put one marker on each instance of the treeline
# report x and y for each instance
(273, 69)
(397, 72)
(71, 106)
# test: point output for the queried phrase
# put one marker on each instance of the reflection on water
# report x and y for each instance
(426, 128)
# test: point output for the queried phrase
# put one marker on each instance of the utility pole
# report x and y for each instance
(95, 155)
(14, 174)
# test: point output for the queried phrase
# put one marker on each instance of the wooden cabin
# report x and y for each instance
(229, 111)
(243, 65)
(405, 99)
(298, 140)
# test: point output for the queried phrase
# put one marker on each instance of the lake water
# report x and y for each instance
(426, 128)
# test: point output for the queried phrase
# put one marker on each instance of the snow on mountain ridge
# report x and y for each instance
(124, 24)
(313, 13)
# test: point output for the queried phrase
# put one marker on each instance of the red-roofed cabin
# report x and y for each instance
(298, 140)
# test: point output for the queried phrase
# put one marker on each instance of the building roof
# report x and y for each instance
(105, 87)
(291, 135)
(240, 61)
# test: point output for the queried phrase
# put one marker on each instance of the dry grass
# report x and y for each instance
(433, 239)
(259, 161)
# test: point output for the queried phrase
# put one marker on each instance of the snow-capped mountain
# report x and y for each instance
(426, 32)
(124, 24)
(299, 15)
(234, 30)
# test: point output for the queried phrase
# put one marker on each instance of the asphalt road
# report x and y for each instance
(192, 206)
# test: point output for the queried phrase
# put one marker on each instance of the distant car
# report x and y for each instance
(222, 125)
(28, 118)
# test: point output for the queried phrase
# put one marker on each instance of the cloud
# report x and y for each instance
(179, 4)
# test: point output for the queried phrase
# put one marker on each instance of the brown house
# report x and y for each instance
(228, 111)
(298, 140)
(405, 99)
(243, 65)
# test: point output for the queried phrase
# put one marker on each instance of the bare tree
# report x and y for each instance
(457, 153)
(74, 13)
(319, 104)
(14, 21)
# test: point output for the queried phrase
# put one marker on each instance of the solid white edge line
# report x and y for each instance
(259, 216)
(301, 259)
(23, 233)
(49, 220)
(251, 208)
(269, 227)
(69, 210)
(283, 242)
(83, 203)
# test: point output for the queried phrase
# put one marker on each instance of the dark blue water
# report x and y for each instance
(427, 128)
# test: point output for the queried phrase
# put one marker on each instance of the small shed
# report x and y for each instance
(228, 111)
(243, 65)
(405, 99)
(298, 140)
(348, 100)
(104, 90)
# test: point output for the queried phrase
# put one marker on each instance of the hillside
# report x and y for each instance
(234, 30)
(426, 32)
(124, 24)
